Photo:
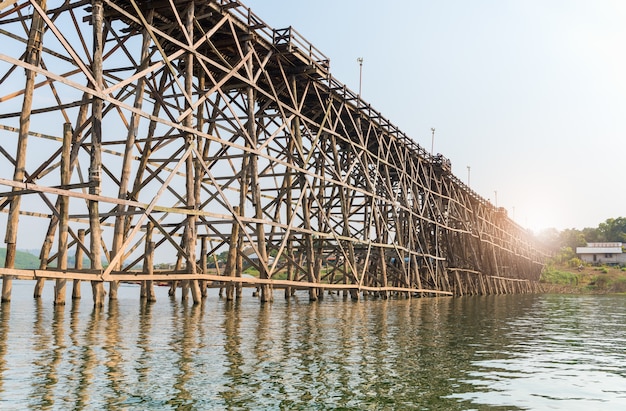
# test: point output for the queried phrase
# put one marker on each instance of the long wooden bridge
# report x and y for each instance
(142, 131)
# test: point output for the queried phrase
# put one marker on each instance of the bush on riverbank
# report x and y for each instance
(602, 279)
(565, 272)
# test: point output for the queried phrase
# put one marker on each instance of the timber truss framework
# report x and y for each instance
(139, 130)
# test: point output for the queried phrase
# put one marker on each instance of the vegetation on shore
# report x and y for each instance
(588, 280)
(565, 272)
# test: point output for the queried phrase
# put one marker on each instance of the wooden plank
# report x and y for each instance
(250, 281)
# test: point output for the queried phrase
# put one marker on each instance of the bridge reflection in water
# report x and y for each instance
(141, 131)
(491, 352)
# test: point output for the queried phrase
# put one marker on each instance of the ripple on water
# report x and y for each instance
(560, 355)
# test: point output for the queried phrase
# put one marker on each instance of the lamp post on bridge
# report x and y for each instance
(468, 175)
(432, 144)
(360, 61)
(432, 153)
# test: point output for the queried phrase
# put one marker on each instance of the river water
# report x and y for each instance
(535, 352)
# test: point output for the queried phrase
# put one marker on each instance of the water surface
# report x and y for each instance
(531, 352)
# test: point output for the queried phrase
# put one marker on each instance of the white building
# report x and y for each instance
(602, 253)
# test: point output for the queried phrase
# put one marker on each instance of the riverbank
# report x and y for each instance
(588, 280)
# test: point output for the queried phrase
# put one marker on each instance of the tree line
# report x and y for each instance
(612, 230)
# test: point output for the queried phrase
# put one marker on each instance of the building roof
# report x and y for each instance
(605, 244)
(598, 250)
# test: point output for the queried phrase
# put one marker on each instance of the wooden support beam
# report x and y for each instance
(231, 261)
(95, 166)
(147, 286)
(190, 141)
(78, 264)
(59, 289)
(33, 57)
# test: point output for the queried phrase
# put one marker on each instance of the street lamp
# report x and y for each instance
(468, 175)
(432, 145)
(496, 193)
(360, 61)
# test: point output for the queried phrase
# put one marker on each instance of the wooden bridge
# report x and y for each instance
(135, 132)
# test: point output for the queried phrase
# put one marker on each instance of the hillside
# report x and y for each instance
(23, 259)
(28, 259)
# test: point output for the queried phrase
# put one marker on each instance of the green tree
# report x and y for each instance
(572, 238)
(591, 235)
(613, 229)
(223, 256)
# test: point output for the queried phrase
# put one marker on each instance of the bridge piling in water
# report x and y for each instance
(193, 130)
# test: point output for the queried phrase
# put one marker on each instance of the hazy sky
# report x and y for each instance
(530, 94)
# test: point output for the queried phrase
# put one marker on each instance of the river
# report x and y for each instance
(515, 352)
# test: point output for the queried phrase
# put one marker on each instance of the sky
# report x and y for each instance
(529, 94)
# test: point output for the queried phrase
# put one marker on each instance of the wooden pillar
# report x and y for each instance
(43, 264)
(290, 254)
(147, 286)
(345, 214)
(199, 175)
(44, 254)
(53, 224)
(184, 284)
(243, 198)
(491, 288)
(33, 56)
(294, 143)
(460, 291)
(243, 193)
(266, 290)
(321, 221)
(416, 273)
(308, 244)
(354, 293)
(483, 284)
(59, 289)
(78, 263)
(174, 284)
(120, 220)
(203, 264)
(95, 167)
(231, 260)
(190, 140)
(318, 266)
(381, 237)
